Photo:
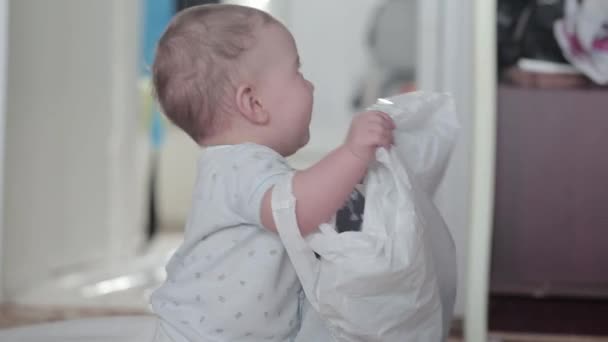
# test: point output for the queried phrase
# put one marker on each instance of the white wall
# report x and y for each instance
(70, 197)
(331, 40)
(3, 53)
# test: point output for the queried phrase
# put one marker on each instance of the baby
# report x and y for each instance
(229, 77)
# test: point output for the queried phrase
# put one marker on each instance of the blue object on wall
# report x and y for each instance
(157, 14)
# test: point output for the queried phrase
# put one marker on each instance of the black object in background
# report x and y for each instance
(350, 217)
(525, 30)
(152, 224)
(183, 4)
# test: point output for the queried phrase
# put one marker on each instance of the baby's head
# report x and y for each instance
(228, 74)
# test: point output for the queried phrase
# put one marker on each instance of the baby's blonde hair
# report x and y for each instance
(196, 59)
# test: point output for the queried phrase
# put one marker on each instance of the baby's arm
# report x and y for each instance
(323, 188)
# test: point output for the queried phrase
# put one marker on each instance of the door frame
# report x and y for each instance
(459, 55)
(3, 90)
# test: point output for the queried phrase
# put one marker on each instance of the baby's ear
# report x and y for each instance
(250, 106)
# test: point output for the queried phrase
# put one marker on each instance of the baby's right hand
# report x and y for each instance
(368, 131)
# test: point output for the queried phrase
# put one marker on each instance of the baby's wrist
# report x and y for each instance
(357, 155)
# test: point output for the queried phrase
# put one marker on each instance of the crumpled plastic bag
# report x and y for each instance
(427, 129)
(583, 37)
(396, 279)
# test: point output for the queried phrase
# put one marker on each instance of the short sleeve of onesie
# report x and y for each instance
(257, 169)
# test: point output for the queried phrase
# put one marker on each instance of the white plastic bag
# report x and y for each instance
(427, 128)
(381, 284)
(583, 37)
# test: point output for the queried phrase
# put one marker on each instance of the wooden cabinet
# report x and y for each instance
(551, 216)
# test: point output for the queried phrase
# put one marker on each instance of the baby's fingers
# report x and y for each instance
(380, 137)
(387, 118)
(384, 118)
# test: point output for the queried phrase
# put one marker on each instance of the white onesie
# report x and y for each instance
(231, 279)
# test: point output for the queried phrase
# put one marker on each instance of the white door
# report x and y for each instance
(70, 142)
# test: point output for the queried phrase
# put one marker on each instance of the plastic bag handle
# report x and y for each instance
(300, 253)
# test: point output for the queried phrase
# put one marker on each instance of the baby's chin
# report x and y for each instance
(303, 142)
(305, 139)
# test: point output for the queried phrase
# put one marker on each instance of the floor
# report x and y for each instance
(124, 290)
(15, 315)
(111, 290)
(18, 315)
(125, 285)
